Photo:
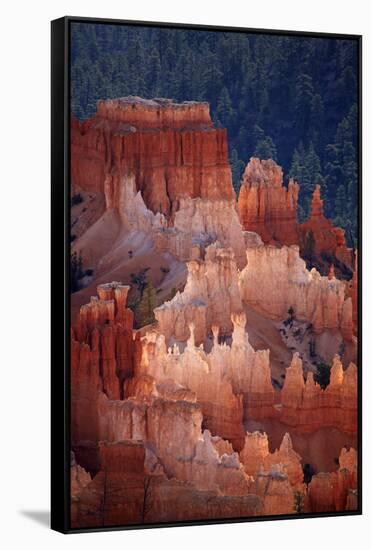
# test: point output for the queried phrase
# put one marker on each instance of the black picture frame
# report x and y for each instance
(60, 275)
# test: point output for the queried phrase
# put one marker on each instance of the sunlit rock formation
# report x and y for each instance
(275, 490)
(159, 414)
(276, 279)
(156, 436)
(307, 407)
(265, 205)
(171, 148)
(196, 224)
(210, 296)
(321, 236)
(230, 382)
(336, 491)
(171, 430)
(256, 457)
(124, 491)
(269, 208)
(196, 371)
(200, 222)
(102, 355)
(121, 194)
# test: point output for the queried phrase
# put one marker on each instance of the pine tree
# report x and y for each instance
(76, 271)
(316, 120)
(237, 167)
(313, 169)
(147, 305)
(302, 105)
(309, 246)
(224, 110)
(265, 149)
(340, 205)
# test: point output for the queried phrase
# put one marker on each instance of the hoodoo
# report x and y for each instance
(218, 327)
(326, 240)
(265, 205)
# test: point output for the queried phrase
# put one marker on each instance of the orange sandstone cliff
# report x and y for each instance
(327, 240)
(102, 355)
(171, 148)
(307, 407)
(265, 205)
(268, 208)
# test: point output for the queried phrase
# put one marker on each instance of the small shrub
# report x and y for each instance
(308, 472)
(76, 199)
(76, 271)
(140, 280)
(298, 501)
(322, 376)
(312, 348)
(147, 304)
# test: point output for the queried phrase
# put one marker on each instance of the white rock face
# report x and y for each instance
(197, 223)
(276, 279)
(134, 214)
(209, 298)
(209, 221)
(230, 382)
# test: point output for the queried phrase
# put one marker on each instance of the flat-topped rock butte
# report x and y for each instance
(172, 149)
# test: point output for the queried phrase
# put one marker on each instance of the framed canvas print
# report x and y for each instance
(206, 260)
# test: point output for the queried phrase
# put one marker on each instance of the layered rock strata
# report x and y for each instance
(171, 431)
(326, 239)
(158, 414)
(256, 457)
(266, 206)
(102, 355)
(231, 382)
(269, 208)
(276, 279)
(172, 149)
(122, 498)
(336, 491)
(210, 296)
(307, 407)
(200, 222)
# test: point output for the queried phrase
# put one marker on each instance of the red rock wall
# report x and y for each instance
(336, 491)
(307, 407)
(265, 205)
(172, 149)
(327, 238)
(256, 457)
(102, 355)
